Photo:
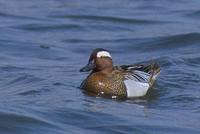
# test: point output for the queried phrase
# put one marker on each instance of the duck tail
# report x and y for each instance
(155, 71)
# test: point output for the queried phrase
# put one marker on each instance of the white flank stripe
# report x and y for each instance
(136, 89)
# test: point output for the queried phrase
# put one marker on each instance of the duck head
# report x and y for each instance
(100, 60)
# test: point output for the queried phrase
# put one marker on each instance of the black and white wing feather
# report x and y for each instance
(140, 72)
(138, 78)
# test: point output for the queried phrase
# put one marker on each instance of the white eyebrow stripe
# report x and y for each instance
(103, 54)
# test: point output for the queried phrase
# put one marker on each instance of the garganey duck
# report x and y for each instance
(123, 81)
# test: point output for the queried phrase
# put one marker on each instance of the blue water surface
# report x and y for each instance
(43, 44)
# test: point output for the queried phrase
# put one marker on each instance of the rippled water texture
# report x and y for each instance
(43, 44)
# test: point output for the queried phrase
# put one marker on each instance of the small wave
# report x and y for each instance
(109, 19)
(13, 122)
(164, 61)
(170, 42)
(123, 128)
(96, 40)
(25, 79)
(58, 84)
(10, 68)
(194, 61)
(194, 14)
(145, 44)
(30, 92)
(41, 27)
(12, 16)
(152, 7)
(184, 99)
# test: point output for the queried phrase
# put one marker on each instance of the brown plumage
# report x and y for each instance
(115, 81)
(104, 84)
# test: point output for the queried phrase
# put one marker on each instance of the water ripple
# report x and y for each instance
(194, 14)
(12, 122)
(12, 16)
(171, 42)
(109, 19)
(193, 61)
(41, 27)
(24, 79)
(44, 43)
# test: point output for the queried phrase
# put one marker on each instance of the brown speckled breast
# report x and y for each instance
(111, 84)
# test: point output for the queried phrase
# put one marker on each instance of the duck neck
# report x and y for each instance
(107, 70)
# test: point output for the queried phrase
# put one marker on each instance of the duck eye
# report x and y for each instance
(104, 57)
